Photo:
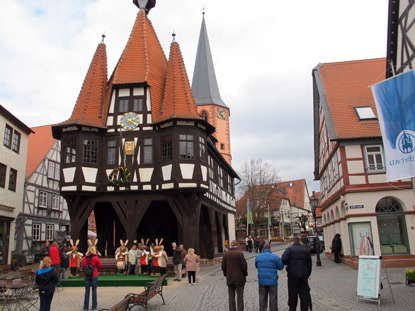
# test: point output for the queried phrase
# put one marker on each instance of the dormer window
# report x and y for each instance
(365, 113)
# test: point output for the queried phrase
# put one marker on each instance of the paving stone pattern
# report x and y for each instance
(333, 287)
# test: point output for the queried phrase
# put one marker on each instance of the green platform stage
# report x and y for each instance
(113, 280)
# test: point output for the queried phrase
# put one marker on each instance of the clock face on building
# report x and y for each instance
(130, 121)
(222, 113)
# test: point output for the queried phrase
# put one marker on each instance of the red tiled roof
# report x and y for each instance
(142, 61)
(88, 107)
(178, 101)
(294, 191)
(347, 85)
(39, 145)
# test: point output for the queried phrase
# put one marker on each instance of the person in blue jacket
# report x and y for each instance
(46, 280)
(267, 264)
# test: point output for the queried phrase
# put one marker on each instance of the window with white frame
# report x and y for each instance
(374, 158)
(43, 199)
(50, 230)
(51, 169)
(57, 171)
(35, 232)
(55, 201)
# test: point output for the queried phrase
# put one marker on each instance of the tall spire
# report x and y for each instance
(178, 101)
(204, 85)
(89, 105)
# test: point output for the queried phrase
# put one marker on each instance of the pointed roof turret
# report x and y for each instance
(142, 61)
(89, 105)
(204, 85)
(178, 101)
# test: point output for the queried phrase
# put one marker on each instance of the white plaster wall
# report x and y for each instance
(166, 170)
(377, 178)
(187, 170)
(369, 200)
(123, 92)
(69, 174)
(90, 174)
(146, 174)
(357, 180)
(354, 151)
(138, 91)
(355, 167)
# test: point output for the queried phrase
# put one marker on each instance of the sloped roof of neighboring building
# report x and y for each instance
(39, 145)
(142, 61)
(293, 190)
(343, 86)
(178, 101)
(9, 116)
(88, 108)
(204, 83)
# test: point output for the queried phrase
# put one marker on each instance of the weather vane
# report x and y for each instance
(145, 5)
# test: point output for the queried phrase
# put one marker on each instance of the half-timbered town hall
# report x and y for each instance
(143, 155)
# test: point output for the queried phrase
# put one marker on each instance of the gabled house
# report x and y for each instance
(44, 215)
(287, 201)
(356, 199)
(14, 135)
(137, 153)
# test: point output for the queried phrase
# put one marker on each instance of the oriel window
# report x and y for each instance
(186, 147)
(111, 152)
(70, 151)
(148, 151)
(202, 148)
(166, 148)
(123, 105)
(90, 151)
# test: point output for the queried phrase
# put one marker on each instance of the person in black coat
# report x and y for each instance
(336, 247)
(298, 261)
(46, 280)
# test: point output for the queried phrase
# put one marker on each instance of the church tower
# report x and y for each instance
(206, 92)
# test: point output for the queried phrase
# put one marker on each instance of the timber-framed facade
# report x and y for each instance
(143, 123)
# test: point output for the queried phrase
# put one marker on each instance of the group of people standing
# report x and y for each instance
(298, 262)
(256, 244)
(47, 277)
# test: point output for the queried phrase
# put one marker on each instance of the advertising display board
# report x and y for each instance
(369, 277)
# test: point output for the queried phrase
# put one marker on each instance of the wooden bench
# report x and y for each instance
(123, 305)
(151, 289)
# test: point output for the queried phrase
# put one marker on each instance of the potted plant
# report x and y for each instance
(410, 276)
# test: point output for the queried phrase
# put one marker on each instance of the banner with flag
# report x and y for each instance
(249, 219)
(395, 104)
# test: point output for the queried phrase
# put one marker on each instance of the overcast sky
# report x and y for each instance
(263, 52)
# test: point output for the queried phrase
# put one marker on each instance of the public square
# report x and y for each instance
(333, 287)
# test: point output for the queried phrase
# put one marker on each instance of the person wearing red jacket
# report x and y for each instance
(55, 256)
(91, 281)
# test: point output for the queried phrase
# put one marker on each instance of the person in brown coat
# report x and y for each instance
(191, 261)
(235, 269)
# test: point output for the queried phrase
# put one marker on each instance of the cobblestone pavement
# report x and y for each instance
(333, 287)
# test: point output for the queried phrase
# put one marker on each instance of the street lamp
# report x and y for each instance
(314, 204)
